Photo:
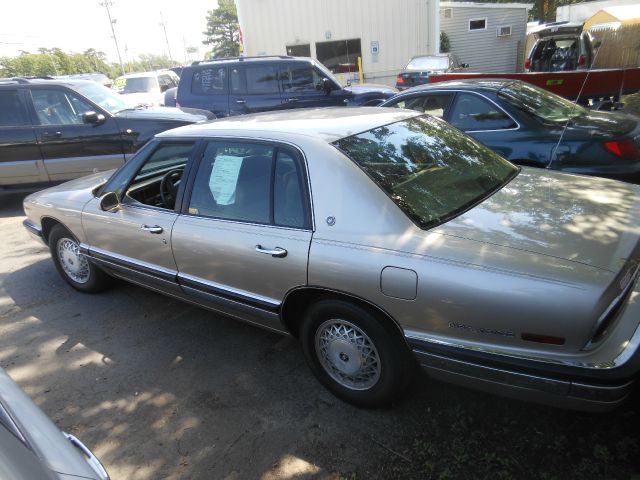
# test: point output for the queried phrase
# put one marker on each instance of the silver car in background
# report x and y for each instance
(377, 237)
(32, 447)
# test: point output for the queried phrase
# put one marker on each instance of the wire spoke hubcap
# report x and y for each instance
(347, 354)
(73, 263)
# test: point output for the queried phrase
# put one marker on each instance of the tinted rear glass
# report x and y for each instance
(431, 170)
(209, 81)
(11, 110)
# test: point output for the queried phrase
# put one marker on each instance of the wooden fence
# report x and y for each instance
(620, 47)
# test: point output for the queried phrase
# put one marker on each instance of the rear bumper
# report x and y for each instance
(511, 381)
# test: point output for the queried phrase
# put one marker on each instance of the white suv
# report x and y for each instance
(146, 88)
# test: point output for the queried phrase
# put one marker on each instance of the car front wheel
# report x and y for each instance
(74, 266)
(355, 355)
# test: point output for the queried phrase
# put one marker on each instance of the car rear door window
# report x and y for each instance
(249, 182)
(471, 112)
(209, 81)
(12, 111)
(434, 104)
(261, 79)
(58, 107)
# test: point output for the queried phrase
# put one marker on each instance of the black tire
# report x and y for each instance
(93, 281)
(390, 357)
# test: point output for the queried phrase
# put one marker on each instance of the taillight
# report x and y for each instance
(527, 64)
(582, 61)
(400, 80)
(623, 148)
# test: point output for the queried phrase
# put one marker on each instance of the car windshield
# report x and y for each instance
(546, 106)
(326, 72)
(134, 84)
(431, 170)
(105, 97)
(428, 63)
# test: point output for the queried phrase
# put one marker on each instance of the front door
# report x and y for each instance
(301, 85)
(70, 147)
(134, 241)
(243, 239)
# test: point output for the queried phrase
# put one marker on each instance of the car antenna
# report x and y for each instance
(575, 103)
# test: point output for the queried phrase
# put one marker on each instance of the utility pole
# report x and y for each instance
(106, 4)
(164, 27)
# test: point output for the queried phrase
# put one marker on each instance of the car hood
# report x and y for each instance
(166, 113)
(604, 124)
(371, 87)
(588, 220)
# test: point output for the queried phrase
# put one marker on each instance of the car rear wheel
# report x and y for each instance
(355, 355)
(72, 265)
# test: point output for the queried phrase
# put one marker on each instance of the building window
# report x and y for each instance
(477, 24)
(299, 50)
(503, 31)
(340, 56)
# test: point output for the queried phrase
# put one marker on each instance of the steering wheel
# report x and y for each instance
(169, 188)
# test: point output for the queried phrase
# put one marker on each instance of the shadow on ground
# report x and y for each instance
(161, 389)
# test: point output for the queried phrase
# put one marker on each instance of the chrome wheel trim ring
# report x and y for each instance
(347, 354)
(74, 264)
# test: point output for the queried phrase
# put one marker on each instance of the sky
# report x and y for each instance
(77, 25)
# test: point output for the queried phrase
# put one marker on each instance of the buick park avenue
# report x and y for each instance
(381, 238)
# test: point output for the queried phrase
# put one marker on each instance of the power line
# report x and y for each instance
(106, 4)
(164, 27)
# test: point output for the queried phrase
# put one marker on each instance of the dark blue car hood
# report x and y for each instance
(372, 88)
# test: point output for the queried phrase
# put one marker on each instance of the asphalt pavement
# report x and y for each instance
(159, 389)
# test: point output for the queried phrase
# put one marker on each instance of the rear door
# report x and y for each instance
(253, 88)
(243, 239)
(71, 148)
(20, 158)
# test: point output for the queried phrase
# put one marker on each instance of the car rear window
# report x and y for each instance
(209, 81)
(431, 170)
(428, 63)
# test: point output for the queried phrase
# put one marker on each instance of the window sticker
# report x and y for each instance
(224, 178)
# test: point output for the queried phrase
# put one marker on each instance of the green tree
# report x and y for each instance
(445, 43)
(223, 30)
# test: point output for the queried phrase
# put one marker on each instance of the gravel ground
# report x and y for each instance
(163, 390)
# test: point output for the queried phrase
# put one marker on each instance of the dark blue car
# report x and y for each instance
(531, 126)
(236, 86)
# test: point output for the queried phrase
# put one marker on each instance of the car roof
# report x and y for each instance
(485, 84)
(258, 59)
(70, 82)
(140, 74)
(329, 124)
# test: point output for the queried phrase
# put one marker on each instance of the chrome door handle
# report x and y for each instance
(241, 101)
(154, 229)
(276, 252)
(291, 100)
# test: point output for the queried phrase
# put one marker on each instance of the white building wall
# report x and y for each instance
(402, 28)
(483, 50)
(579, 12)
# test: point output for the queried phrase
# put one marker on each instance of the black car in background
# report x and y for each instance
(533, 127)
(417, 71)
(52, 130)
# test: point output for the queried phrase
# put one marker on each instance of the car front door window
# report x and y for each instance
(472, 112)
(57, 107)
(157, 181)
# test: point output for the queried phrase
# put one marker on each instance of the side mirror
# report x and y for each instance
(326, 85)
(93, 117)
(109, 202)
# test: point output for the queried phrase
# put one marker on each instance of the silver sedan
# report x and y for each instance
(380, 239)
